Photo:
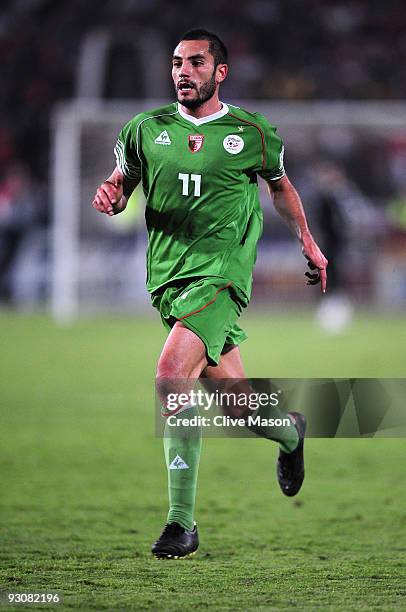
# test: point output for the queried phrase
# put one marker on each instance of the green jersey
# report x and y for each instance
(199, 177)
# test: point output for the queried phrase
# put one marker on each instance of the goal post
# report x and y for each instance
(65, 225)
(87, 268)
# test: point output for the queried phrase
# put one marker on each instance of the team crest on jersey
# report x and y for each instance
(233, 144)
(195, 142)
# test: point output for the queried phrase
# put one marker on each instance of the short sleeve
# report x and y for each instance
(125, 151)
(272, 155)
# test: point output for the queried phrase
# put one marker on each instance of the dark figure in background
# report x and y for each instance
(345, 217)
(20, 211)
(331, 194)
(334, 232)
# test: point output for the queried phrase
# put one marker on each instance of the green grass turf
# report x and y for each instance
(84, 485)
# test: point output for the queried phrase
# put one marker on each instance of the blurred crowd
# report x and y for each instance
(279, 49)
(296, 49)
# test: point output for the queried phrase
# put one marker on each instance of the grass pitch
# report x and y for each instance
(84, 483)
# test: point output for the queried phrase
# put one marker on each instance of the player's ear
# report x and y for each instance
(221, 72)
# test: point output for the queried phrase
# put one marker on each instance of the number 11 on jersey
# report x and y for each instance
(186, 178)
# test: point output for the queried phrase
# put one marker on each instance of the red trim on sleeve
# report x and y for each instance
(262, 137)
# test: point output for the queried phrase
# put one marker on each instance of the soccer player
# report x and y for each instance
(198, 160)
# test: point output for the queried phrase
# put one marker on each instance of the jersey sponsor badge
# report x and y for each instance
(233, 144)
(195, 142)
(163, 138)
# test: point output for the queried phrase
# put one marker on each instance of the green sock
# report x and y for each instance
(286, 435)
(182, 446)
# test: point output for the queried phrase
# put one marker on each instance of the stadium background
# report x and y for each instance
(82, 473)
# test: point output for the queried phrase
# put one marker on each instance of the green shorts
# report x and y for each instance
(209, 307)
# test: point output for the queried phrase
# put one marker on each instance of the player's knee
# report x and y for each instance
(169, 368)
(167, 376)
(165, 386)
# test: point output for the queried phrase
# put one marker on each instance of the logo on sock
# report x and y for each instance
(178, 464)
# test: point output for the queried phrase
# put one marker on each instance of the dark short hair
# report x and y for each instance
(216, 46)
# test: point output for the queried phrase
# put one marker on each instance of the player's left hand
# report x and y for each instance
(316, 261)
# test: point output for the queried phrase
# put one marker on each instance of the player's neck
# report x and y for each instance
(207, 108)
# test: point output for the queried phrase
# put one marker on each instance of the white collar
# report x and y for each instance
(223, 111)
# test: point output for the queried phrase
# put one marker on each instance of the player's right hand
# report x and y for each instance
(108, 196)
(316, 261)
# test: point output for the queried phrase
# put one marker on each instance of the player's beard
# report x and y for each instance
(205, 92)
